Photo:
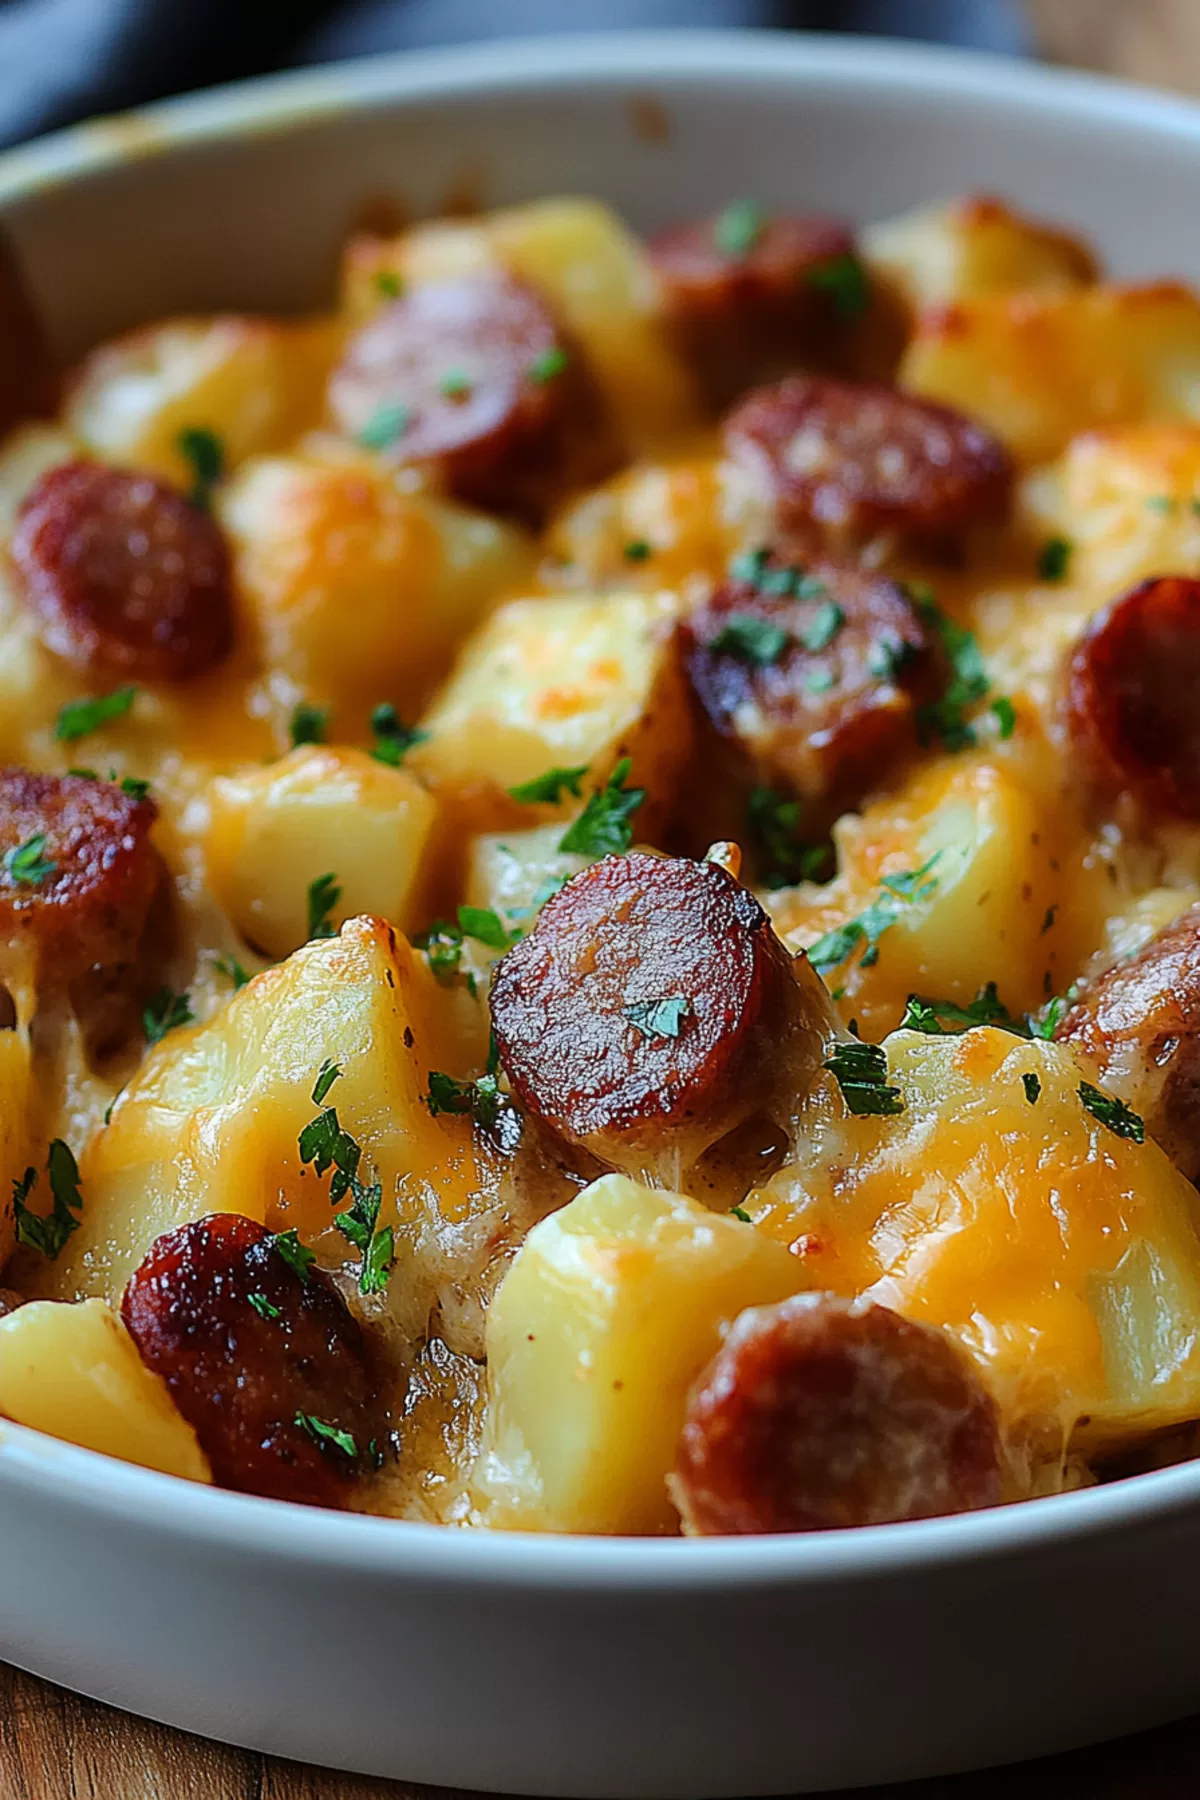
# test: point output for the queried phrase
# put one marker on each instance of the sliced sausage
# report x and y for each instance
(257, 1360)
(815, 687)
(822, 1412)
(78, 873)
(27, 378)
(751, 296)
(848, 461)
(474, 376)
(1131, 696)
(124, 575)
(649, 1009)
(1140, 1024)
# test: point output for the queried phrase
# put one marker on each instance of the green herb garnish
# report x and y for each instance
(387, 423)
(328, 1073)
(485, 926)
(846, 282)
(942, 1018)
(388, 285)
(25, 862)
(442, 945)
(603, 828)
(946, 717)
(739, 1212)
(296, 1255)
(1054, 559)
(753, 640)
(1005, 714)
(308, 723)
(860, 1071)
(638, 550)
(823, 627)
(773, 819)
(327, 1437)
(325, 1145)
(1120, 1119)
(738, 230)
(263, 1307)
(48, 1232)
(231, 968)
(164, 1011)
(659, 1018)
(393, 738)
(205, 452)
(79, 717)
(549, 788)
(866, 930)
(324, 895)
(549, 364)
(482, 1098)
(455, 384)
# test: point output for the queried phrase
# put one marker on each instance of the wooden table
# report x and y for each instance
(55, 1746)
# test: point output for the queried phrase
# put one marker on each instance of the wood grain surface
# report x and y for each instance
(56, 1746)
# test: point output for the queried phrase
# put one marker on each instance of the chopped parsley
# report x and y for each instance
(263, 1307)
(328, 1073)
(943, 1018)
(866, 930)
(164, 1011)
(485, 926)
(659, 1018)
(327, 1437)
(393, 738)
(738, 230)
(888, 656)
(549, 364)
(482, 1098)
(860, 1071)
(388, 285)
(638, 550)
(846, 282)
(947, 717)
(358, 1225)
(442, 945)
(298, 1257)
(753, 640)
(205, 452)
(603, 828)
(323, 897)
(1044, 1023)
(1054, 559)
(773, 819)
(48, 1232)
(754, 568)
(1120, 1119)
(455, 384)
(739, 1212)
(1005, 714)
(1161, 503)
(823, 627)
(549, 788)
(25, 862)
(387, 423)
(1033, 1087)
(326, 1145)
(308, 724)
(79, 717)
(231, 968)
(819, 681)
(133, 786)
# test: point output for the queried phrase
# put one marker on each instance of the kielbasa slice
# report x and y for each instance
(822, 1412)
(472, 375)
(1131, 695)
(245, 1346)
(1139, 1023)
(847, 461)
(27, 376)
(648, 1010)
(812, 677)
(125, 576)
(78, 873)
(750, 296)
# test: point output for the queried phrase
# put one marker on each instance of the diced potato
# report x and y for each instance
(25, 456)
(566, 682)
(75, 1373)
(513, 873)
(611, 1310)
(375, 269)
(658, 524)
(254, 383)
(974, 247)
(1128, 501)
(1038, 368)
(358, 590)
(211, 1120)
(275, 830)
(996, 1205)
(1006, 894)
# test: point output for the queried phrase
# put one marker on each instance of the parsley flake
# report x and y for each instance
(1120, 1119)
(325, 1145)
(134, 786)
(739, 1212)
(943, 1018)
(263, 1307)
(387, 423)
(659, 1018)
(549, 364)
(204, 451)
(819, 681)
(753, 640)
(739, 229)
(603, 828)
(308, 724)
(327, 1437)
(393, 738)
(904, 889)
(324, 895)
(25, 862)
(846, 282)
(455, 384)
(638, 550)
(485, 926)
(823, 627)
(549, 788)
(328, 1073)
(298, 1257)
(947, 717)
(482, 1098)
(388, 285)
(164, 1011)
(48, 1232)
(442, 945)
(231, 968)
(1045, 1023)
(888, 656)
(79, 717)
(773, 820)
(1054, 559)
(1033, 1087)
(1005, 714)
(860, 1071)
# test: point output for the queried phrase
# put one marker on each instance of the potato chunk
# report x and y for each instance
(1001, 1206)
(355, 589)
(611, 1309)
(1037, 368)
(74, 1373)
(973, 247)
(320, 810)
(211, 1121)
(568, 683)
(253, 383)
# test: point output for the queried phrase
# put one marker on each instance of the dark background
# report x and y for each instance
(62, 60)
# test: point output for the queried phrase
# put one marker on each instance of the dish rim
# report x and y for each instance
(219, 1519)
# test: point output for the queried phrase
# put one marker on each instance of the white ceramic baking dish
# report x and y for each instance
(577, 1666)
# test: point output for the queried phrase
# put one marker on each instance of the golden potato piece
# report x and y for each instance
(321, 810)
(974, 247)
(74, 1373)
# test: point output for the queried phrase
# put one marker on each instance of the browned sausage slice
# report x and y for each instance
(125, 576)
(1140, 1024)
(244, 1345)
(753, 295)
(848, 461)
(646, 1012)
(27, 380)
(78, 873)
(1131, 704)
(472, 375)
(812, 677)
(822, 1412)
